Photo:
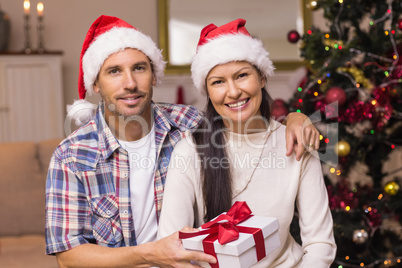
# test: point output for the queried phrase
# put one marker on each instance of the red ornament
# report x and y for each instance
(279, 110)
(293, 36)
(400, 24)
(335, 94)
(279, 102)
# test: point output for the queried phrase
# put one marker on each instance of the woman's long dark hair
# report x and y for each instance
(216, 176)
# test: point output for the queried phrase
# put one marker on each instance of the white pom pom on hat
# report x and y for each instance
(108, 35)
(227, 43)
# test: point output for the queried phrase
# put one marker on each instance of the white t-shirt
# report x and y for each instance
(142, 158)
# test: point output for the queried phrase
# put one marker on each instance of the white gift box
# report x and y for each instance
(240, 253)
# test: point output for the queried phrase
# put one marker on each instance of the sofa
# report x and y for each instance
(23, 170)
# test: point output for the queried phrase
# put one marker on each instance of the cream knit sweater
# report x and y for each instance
(271, 183)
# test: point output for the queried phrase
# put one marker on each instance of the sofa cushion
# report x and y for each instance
(22, 187)
(45, 152)
(25, 251)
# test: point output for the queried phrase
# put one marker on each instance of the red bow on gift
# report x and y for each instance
(225, 230)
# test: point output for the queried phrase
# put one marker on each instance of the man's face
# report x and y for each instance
(125, 83)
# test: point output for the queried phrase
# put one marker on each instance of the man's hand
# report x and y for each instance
(301, 135)
(166, 252)
(169, 252)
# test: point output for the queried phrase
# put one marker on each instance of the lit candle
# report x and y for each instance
(27, 6)
(40, 9)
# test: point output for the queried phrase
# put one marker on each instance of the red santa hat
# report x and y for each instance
(227, 43)
(107, 36)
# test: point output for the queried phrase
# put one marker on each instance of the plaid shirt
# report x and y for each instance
(88, 190)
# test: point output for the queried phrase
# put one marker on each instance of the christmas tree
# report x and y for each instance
(353, 93)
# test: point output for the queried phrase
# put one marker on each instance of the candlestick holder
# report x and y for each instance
(27, 28)
(41, 27)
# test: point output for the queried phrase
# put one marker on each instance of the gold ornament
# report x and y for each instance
(332, 43)
(358, 75)
(391, 188)
(342, 148)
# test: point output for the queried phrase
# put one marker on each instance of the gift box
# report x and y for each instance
(257, 237)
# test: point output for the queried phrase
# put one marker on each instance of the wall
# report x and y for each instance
(66, 23)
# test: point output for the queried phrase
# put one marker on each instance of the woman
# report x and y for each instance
(239, 155)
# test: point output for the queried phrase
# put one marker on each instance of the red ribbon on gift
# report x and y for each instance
(228, 230)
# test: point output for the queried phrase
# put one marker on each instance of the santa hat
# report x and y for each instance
(107, 36)
(227, 43)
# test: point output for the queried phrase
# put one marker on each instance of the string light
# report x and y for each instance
(316, 94)
(373, 102)
(299, 89)
(380, 196)
(309, 31)
(326, 140)
(392, 146)
(313, 4)
(332, 170)
(326, 48)
(321, 137)
(347, 208)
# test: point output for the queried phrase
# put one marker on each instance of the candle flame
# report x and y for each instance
(27, 5)
(40, 7)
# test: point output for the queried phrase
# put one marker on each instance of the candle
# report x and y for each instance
(27, 5)
(40, 9)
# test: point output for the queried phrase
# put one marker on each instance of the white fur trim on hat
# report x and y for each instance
(81, 111)
(102, 47)
(228, 48)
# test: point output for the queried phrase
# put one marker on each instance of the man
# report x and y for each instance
(102, 200)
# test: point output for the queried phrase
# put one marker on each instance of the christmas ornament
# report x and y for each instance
(279, 110)
(333, 43)
(342, 148)
(293, 36)
(391, 188)
(400, 24)
(360, 236)
(358, 76)
(335, 94)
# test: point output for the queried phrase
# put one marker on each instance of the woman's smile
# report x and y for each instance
(237, 105)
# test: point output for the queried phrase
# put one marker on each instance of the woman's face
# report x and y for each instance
(234, 89)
